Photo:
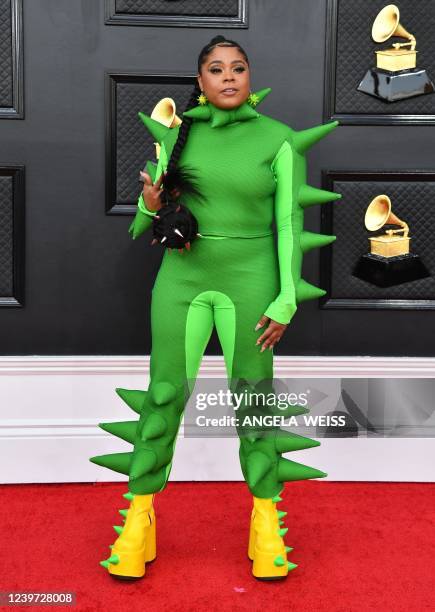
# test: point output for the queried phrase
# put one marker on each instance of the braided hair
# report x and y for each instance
(176, 178)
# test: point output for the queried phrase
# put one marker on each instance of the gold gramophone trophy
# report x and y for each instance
(389, 261)
(396, 76)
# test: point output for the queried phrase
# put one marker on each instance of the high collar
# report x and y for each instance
(219, 117)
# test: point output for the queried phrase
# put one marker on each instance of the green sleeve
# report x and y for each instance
(284, 306)
(144, 217)
(142, 220)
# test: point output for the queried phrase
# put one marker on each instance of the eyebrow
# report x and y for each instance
(221, 62)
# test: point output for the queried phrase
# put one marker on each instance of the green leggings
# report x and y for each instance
(227, 283)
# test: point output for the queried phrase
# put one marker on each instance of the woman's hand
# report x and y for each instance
(271, 335)
(151, 193)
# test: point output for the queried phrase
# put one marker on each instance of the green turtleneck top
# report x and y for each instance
(243, 167)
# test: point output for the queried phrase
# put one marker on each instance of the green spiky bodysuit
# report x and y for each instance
(252, 171)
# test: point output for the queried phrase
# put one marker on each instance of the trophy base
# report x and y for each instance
(389, 271)
(394, 86)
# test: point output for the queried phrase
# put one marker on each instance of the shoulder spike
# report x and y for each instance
(305, 139)
(156, 129)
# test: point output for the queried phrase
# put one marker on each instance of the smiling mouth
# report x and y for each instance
(229, 90)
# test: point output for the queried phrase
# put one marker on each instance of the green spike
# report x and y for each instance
(290, 470)
(118, 529)
(305, 139)
(110, 545)
(151, 168)
(156, 129)
(154, 427)
(292, 442)
(118, 462)
(288, 549)
(162, 393)
(283, 531)
(311, 240)
(262, 93)
(310, 196)
(133, 398)
(281, 514)
(305, 291)
(126, 430)
(291, 566)
(143, 462)
(114, 559)
(251, 437)
(123, 513)
(276, 499)
(279, 561)
(257, 465)
(281, 522)
(105, 564)
(129, 496)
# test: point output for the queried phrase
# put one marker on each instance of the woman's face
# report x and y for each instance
(225, 69)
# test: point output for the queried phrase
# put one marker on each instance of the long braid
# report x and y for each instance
(184, 179)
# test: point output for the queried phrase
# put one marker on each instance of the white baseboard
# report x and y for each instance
(51, 407)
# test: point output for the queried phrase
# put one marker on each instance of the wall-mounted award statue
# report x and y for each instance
(396, 75)
(389, 261)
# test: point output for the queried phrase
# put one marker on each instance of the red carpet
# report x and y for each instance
(358, 546)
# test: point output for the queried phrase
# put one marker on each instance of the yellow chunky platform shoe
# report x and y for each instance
(136, 544)
(266, 545)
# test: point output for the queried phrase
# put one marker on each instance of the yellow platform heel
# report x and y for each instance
(136, 542)
(266, 546)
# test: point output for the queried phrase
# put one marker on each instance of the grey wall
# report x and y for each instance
(88, 285)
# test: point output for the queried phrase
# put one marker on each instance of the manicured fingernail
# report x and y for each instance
(257, 326)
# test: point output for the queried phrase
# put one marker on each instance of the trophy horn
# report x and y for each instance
(165, 112)
(387, 24)
(379, 213)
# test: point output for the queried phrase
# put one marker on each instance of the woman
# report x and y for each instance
(236, 171)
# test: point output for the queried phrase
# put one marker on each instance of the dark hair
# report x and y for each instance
(175, 177)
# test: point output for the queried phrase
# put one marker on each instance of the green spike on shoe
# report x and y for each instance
(118, 529)
(279, 561)
(114, 559)
(291, 566)
(123, 513)
(281, 514)
(105, 563)
(133, 398)
(288, 549)
(111, 545)
(282, 532)
(128, 496)
(281, 522)
(276, 499)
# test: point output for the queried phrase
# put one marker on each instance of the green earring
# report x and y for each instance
(253, 99)
(202, 99)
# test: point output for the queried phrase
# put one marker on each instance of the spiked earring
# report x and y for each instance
(253, 99)
(202, 99)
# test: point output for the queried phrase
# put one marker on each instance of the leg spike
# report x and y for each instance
(282, 531)
(118, 529)
(279, 561)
